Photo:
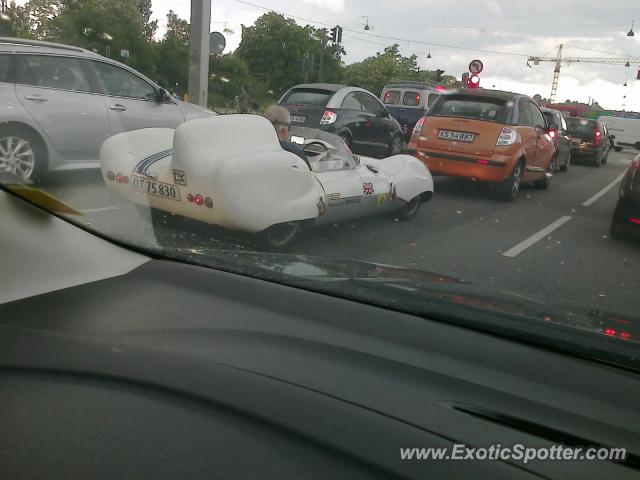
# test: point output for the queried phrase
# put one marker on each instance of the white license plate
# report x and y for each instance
(456, 136)
(298, 118)
(153, 187)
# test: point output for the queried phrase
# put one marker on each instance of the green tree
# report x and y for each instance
(98, 24)
(173, 54)
(374, 72)
(150, 27)
(275, 48)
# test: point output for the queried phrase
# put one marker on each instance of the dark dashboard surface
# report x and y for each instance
(177, 371)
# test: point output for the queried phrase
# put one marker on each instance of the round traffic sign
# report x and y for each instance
(476, 66)
(217, 42)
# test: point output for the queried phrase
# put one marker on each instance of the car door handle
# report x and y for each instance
(36, 98)
(118, 108)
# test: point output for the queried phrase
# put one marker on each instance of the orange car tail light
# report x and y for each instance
(508, 136)
(418, 128)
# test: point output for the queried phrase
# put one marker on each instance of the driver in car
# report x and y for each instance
(281, 120)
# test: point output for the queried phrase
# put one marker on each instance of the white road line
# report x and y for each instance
(536, 237)
(603, 191)
(96, 210)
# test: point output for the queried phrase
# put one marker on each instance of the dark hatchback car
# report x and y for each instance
(626, 217)
(589, 140)
(561, 139)
(354, 114)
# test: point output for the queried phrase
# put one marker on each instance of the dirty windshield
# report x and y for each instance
(395, 154)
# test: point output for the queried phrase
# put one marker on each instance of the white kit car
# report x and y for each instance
(231, 171)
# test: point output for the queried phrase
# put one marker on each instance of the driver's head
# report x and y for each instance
(281, 120)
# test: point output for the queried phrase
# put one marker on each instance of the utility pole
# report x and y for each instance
(199, 51)
(323, 43)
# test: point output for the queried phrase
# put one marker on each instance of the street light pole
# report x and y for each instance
(199, 51)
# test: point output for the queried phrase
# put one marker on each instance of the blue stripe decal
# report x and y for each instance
(147, 162)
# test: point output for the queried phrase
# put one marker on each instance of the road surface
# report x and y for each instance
(550, 245)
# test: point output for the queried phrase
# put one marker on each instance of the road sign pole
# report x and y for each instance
(199, 51)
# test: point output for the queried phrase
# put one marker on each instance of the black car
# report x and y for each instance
(561, 139)
(589, 139)
(353, 113)
(626, 217)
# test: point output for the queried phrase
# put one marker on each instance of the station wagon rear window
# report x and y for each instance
(581, 127)
(308, 97)
(392, 97)
(411, 99)
(476, 108)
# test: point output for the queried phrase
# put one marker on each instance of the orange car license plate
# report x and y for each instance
(456, 136)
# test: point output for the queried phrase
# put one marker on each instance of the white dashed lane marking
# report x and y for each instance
(536, 237)
(593, 199)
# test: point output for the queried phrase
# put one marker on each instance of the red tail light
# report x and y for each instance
(198, 200)
(634, 220)
(418, 128)
(328, 117)
(552, 133)
(597, 137)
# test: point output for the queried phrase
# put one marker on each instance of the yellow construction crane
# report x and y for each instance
(558, 59)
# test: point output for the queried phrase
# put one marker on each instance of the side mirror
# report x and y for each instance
(161, 95)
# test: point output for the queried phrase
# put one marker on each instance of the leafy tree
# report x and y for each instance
(173, 54)
(275, 48)
(150, 27)
(374, 72)
(98, 24)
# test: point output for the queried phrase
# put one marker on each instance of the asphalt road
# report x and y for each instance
(551, 245)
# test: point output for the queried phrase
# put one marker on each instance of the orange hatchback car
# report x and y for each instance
(486, 135)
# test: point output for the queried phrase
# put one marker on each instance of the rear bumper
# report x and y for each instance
(493, 168)
(585, 150)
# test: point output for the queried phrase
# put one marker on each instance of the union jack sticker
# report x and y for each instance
(367, 188)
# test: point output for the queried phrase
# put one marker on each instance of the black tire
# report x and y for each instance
(618, 230)
(597, 160)
(280, 237)
(511, 186)
(565, 167)
(617, 149)
(411, 208)
(395, 147)
(11, 135)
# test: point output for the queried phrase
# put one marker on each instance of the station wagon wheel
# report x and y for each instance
(279, 237)
(20, 153)
(396, 146)
(565, 167)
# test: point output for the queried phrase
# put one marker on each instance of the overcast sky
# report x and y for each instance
(517, 27)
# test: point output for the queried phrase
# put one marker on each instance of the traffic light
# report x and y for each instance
(474, 81)
(439, 75)
(336, 34)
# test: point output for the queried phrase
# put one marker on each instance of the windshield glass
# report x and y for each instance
(292, 145)
(485, 108)
(581, 127)
(312, 98)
